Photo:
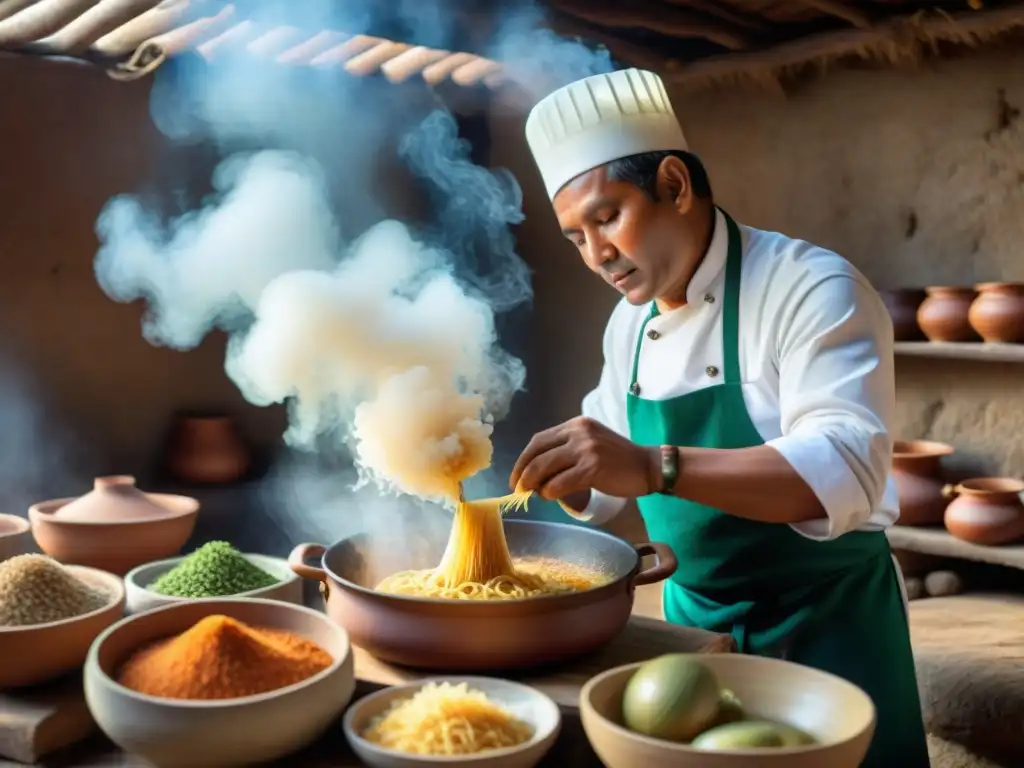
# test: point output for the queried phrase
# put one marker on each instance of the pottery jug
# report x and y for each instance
(986, 510)
(997, 314)
(943, 316)
(902, 304)
(207, 450)
(917, 471)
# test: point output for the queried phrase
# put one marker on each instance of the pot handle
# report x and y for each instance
(665, 563)
(949, 491)
(297, 562)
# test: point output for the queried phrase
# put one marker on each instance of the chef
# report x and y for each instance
(745, 402)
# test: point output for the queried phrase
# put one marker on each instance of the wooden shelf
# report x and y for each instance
(938, 541)
(994, 353)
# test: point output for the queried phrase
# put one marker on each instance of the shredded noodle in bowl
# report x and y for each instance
(466, 717)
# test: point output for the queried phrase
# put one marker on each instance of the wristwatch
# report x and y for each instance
(669, 470)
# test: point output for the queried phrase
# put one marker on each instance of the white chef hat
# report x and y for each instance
(600, 119)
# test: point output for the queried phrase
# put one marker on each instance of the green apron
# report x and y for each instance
(835, 605)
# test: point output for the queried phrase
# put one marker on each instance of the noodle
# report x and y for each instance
(446, 719)
(477, 565)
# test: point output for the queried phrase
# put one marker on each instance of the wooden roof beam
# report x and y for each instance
(726, 13)
(654, 16)
(841, 10)
(889, 38)
(631, 53)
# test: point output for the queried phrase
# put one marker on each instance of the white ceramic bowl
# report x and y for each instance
(229, 732)
(526, 703)
(139, 598)
(838, 714)
(15, 536)
(40, 652)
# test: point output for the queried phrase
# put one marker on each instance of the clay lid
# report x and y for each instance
(114, 499)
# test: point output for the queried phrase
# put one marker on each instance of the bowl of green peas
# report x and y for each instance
(214, 570)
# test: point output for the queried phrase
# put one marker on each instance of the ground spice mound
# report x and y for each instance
(215, 569)
(35, 589)
(221, 658)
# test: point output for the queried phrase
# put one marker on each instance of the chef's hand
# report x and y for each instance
(583, 455)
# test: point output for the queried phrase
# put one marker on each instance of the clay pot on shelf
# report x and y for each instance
(207, 450)
(943, 316)
(902, 304)
(986, 510)
(917, 470)
(997, 314)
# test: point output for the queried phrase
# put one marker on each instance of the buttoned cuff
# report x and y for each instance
(600, 510)
(826, 472)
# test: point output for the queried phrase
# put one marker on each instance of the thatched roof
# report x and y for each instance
(695, 42)
(690, 42)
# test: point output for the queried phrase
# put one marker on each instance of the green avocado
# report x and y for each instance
(730, 709)
(751, 734)
(671, 697)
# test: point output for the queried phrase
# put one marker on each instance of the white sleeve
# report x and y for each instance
(606, 404)
(837, 398)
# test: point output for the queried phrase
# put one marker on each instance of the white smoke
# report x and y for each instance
(325, 328)
(381, 340)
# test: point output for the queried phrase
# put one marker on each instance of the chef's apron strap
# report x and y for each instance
(731, 307)
(639, 343)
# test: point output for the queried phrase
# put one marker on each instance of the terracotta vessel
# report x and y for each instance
(15, 538)
(943, 316)
(477, 635)
(903, 304)
(998, 312)
(37, 653)
(838, 714)
(207, 450)
(917, 470)
(115, 527)
(986, 510)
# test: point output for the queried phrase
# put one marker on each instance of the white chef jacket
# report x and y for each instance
(816, 362)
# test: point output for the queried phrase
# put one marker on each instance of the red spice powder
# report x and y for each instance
(221, 658)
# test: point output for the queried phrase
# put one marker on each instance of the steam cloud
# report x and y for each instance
(379, 335)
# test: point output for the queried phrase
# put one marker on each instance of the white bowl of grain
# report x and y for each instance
(523, 703)
(35, 645)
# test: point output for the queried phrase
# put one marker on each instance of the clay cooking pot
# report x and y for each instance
(115, 527)
(471, 635)
(986, 510)
(207, 450)
(903, 304)
(944, 314)
(998, 312)
(917, 470)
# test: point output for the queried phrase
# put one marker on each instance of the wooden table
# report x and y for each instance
(643, 638)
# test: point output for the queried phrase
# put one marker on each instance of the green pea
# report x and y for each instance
(215, 569)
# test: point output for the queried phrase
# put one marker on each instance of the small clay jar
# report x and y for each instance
(997, 314)
(207, 450)
(986, 510)
(917, 471)
(903, 304)
(943, 316)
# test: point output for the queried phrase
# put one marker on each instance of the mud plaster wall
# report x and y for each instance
(917, 177)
